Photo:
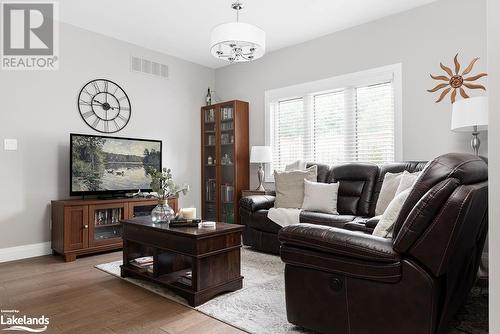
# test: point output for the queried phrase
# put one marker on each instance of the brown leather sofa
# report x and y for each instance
(359, 188)
(341, 281)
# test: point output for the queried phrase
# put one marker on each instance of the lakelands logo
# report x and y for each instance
(16, 322)
(30, 36)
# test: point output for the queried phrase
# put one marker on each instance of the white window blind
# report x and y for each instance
(290, 132)
(375, 123)
(350, 124)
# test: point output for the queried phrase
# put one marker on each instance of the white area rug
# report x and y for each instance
(259, 307)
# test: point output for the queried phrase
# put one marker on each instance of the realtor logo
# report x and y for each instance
(22, 323)
(29, 36)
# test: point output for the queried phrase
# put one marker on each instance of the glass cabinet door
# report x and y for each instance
(105, 227)
(227, 163)
(209, 164)
(141, 209)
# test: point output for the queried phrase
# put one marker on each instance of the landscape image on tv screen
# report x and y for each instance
(112, 164)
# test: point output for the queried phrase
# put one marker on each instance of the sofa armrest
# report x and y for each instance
(338, 241)
(257, 202)
(372, 222)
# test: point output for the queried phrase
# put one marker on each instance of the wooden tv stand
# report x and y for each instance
(87, 226)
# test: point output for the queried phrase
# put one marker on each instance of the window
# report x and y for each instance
(354, 120)
(289, 132)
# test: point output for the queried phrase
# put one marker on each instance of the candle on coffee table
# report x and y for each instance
(188, 213)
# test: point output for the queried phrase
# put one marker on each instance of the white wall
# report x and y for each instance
(494, 162)
(40, 110)
(419, 39)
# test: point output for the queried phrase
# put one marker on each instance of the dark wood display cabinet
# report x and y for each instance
(89, 226)
(224, 159)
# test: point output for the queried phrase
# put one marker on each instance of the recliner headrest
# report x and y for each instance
(466, 168)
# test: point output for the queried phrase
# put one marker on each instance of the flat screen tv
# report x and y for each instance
(111, 165)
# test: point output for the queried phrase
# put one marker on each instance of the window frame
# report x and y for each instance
(347, 81)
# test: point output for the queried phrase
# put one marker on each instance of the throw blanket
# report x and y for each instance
(284, 217)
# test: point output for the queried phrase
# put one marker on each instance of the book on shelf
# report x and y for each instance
(186, 279)
(142, 262)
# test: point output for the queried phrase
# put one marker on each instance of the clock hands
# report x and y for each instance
(104, 106)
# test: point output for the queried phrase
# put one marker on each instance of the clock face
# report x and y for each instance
(104, 106)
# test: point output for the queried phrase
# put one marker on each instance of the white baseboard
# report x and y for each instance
(24, 251)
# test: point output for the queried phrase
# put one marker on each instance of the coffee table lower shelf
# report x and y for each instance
(170, 281)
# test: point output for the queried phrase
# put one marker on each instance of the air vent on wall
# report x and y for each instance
(142, 65)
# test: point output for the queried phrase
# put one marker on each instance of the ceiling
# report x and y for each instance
(182, 28)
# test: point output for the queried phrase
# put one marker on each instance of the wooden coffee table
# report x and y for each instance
(212, 254)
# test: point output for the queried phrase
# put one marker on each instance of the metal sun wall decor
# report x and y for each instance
(456, 81)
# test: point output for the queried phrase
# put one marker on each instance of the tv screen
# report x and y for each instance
(106, 165)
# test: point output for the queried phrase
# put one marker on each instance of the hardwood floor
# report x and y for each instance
(81, 299)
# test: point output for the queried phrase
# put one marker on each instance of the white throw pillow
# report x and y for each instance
(297, 165)
(407, 181)
(290, 187)
(385, 225)
(320, 197)
(387, 191)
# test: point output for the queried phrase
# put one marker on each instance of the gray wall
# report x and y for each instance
(419, 39)
(494, 161)
(39, 109)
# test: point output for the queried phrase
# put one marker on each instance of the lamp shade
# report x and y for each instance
(261, 154)
(468, 113)
(238, 42)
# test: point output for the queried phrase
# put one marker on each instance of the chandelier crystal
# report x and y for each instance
(237, 41)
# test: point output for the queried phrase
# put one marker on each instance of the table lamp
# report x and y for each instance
(261, 155)
(470, 115)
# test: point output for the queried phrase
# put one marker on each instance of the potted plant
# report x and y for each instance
(164, 188)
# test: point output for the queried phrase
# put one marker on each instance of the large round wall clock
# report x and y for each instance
(104, 106)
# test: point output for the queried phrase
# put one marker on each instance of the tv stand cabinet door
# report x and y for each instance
(144, 208)
(76, 225)
(104, 223)
(140, 208)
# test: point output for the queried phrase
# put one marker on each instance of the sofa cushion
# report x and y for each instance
(323, 171)
(388, 191)
(320, 197)
(396, 167)
(319, 218)
(357, 181)
(296, 165)
(407, 181)
(385, 225)
(290, 187)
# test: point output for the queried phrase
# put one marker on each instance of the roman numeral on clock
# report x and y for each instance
(96, 86)
(122, 118)
(85, 103)
(88, 114)
(87, 92)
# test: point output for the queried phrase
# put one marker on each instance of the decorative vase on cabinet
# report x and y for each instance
(225, 159)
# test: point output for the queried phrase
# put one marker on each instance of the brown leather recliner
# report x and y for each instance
(340, 281)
